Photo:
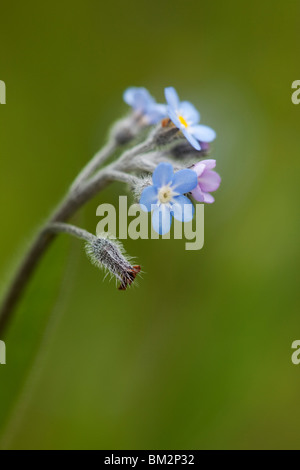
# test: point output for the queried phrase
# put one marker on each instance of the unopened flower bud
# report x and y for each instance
(109, 254)
(125, 130)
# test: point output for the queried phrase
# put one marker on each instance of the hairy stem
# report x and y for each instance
(95, 163)
(68, 207)
(37, 249)
(60, 227)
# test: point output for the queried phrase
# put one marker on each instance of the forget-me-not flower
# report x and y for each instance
(186, 118)
(208, 181)
(143, 103)
(166, 197)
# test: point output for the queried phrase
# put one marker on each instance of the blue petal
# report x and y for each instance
(189, 112)
(138, 98)
(163, 175)
(172, 97)
(162, 219)
(148, 198)
(174, 118)
(194, 142)
(183, 209)
(184, 181)
(203, 133)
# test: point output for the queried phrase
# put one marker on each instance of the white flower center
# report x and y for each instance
(165, 194)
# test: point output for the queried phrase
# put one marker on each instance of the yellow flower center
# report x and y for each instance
(183, 121)
(165, 194)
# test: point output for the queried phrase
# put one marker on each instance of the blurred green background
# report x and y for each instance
(199, 355)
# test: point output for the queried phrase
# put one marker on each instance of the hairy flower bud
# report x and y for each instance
(125, 130)
(109, 254)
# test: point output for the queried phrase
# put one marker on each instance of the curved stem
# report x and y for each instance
(43, 240)
(38, 248)
(76, 198)
(76, 232)
(123, 131)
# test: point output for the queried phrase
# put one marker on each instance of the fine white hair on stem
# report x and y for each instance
(70, 230)
(94, 164)
(140, 185)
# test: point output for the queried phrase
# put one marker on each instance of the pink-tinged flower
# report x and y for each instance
(208, 181)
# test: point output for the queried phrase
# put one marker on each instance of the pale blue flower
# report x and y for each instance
(208, 181)
(166, 197)
(144, 104)
(186, 118)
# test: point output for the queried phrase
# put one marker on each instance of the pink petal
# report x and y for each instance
(210, 164)
(199, 168)
(197, 194)
(208, 198)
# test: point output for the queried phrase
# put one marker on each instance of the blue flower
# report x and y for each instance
(144, 104)
(186, 117)
(165, 198)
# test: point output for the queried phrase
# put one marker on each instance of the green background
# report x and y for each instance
(199, 355)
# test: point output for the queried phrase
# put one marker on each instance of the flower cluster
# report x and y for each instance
(162, 167)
